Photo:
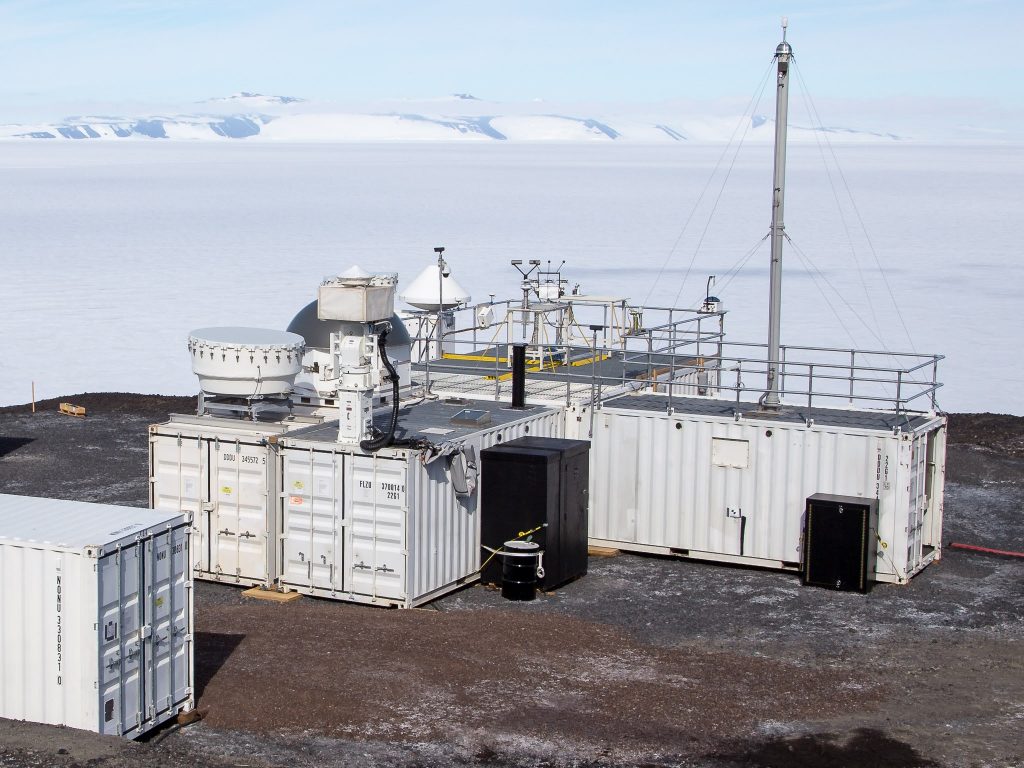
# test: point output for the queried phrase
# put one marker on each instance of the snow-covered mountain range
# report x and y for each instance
(462, 116)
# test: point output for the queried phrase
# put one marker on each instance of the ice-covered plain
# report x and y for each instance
(113, 252)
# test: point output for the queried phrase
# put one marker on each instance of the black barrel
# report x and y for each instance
(519, 570)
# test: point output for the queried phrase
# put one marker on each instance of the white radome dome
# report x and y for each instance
(422, 292)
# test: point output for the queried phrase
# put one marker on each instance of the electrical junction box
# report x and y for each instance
(839, 542)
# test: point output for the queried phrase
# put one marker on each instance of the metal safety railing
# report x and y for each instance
(680, 353)
(834, 377)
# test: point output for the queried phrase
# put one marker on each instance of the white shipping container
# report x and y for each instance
(223, 471)
(385, 528)
(704, 483)
(96, 626)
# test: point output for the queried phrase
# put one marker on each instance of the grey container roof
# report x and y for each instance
(73, 525)
(432, 415)
(881, 421)
(317, 332)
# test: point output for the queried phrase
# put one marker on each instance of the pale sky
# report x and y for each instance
(932, 51)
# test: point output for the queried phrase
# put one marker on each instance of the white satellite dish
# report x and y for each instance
(246, 362)
(430, 289)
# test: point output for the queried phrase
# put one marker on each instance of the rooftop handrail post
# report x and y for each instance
(497, 375)
(899, 391)
(782, 368)
(650, 359)
(853, 362)
(426, 365)
(671, 380)
(935, 379)
(810, 385)
(568, 376)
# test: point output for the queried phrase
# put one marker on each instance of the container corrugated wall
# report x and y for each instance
(35, 653)
(224, 473)
(735, 490)
(383, 528)
(444, 530)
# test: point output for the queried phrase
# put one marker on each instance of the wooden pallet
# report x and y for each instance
(271, 595)
(602, 551)
(187, 718)
(72, 410)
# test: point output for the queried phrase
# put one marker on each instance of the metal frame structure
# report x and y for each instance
(665, 356)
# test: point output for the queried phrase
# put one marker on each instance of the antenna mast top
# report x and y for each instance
(784, 50)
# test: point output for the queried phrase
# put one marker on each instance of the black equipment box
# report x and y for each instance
(529, 482)
(839, 542)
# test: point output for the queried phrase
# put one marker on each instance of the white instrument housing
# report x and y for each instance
(246, 362)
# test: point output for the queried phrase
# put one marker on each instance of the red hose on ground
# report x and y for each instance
(987, 550)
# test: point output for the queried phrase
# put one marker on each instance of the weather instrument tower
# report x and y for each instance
(783, 55)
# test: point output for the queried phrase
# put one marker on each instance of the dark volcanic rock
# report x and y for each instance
(645, 660)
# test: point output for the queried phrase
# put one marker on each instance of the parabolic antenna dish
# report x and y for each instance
(430, 289)
(246, 362)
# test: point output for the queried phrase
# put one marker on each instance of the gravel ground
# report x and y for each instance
(645, 661)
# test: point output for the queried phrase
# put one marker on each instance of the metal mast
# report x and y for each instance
(783, 53)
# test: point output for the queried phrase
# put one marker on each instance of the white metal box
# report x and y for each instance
(356, 301)
(224, 472)
(96, 623)
(706, 483)
(387, 528)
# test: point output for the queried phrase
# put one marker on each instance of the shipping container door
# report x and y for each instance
(931, 537)
(239, 527)
(179, 483)
(166, 611)
(120, 640)
(377, 511)
(614, 459)
(313, 511)
(730, 474)
(918, 499)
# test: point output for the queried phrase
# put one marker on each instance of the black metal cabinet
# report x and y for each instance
(839, 549)
(531, 482)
